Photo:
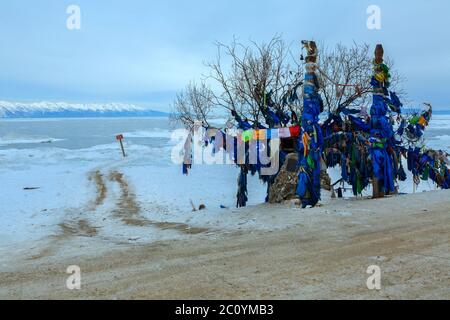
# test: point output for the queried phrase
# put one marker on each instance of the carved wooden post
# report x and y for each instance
(380, 83)
(310, 156)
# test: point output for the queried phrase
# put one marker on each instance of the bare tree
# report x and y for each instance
(194, 104)
(252, 78)
(259, 73)
(346, 74)
(249, 78)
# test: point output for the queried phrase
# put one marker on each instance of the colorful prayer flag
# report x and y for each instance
(247, 135)
(284, 133)
(295, 131)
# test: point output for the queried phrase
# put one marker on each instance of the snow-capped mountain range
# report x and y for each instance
(73, 110)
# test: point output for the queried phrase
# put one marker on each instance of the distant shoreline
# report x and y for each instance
(82, 118)
(103, 117)
(441, 112)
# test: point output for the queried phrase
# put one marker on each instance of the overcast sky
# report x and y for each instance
(142, 51)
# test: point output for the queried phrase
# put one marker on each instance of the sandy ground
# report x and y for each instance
(320, 253)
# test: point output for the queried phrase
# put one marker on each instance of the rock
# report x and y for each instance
(285, 184)
(325, 180)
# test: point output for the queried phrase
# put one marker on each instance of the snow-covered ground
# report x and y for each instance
(66, 191)
(50, 185)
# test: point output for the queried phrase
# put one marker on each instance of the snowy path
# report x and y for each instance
(321, 253)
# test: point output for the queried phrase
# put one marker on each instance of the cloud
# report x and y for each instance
(135, 49)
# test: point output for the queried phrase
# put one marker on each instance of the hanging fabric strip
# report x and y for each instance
(284, 133)
(305, 141)
(274, 134)
(259, 134)
(247, 135)
(295, 131)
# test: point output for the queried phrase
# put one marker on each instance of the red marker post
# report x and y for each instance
(120, 138)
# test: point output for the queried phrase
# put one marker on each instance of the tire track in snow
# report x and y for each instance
(128, 209)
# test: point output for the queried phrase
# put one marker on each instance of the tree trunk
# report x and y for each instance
(376, 189)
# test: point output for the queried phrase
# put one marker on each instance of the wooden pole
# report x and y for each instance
(120, 138)
(379, 52)
(123, 150)
(376, 188)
